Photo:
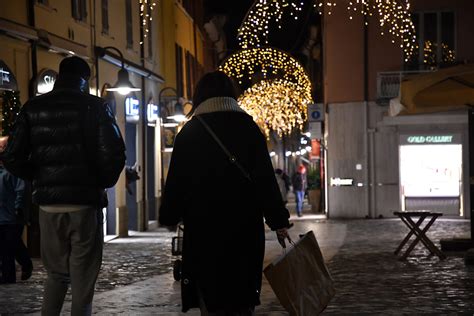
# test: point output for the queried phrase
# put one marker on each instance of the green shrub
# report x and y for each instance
(314, 178)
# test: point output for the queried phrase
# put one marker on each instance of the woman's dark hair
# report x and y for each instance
(211, 85)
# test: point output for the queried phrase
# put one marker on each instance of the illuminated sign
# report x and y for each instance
(7, 79)
(340, 182)
(45, 81)
(5, 76)
(132, 109)
(152, 114)
(430, 139)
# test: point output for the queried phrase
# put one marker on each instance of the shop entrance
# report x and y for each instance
(431, 177)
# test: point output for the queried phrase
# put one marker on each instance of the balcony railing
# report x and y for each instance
(388, 84)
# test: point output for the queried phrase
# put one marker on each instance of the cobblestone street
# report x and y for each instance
(136, 276)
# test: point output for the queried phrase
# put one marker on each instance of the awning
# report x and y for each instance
(443, 90)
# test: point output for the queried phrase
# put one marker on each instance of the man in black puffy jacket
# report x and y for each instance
(68, 144)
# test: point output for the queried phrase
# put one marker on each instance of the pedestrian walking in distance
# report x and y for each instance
(68, 144)
(222, 198)
(299, 187)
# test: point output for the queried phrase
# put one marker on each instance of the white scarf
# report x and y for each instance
(218, 104)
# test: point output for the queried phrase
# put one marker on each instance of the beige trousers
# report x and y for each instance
(71, 250)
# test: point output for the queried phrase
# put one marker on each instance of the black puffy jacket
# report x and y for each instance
(68, 143)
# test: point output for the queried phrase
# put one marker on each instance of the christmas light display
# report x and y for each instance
(281, 89)
(430, 51)
(393, 16)
(266, 63)
(146, 10)
(255, 26)
(10, 108)
(277, 105)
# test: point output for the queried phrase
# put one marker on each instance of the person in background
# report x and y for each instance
(222, 201)
(299, 188)
(22, 255)
(12, 191)
(68, 144)
(282, 185)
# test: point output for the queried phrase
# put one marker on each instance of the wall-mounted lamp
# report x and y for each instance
(178, 115)
(123, 84)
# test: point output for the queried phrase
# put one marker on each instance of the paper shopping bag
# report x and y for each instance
(300, 278)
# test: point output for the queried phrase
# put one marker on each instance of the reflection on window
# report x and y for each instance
(128, 20)
(105, 16)
(435, 40)
(79, 10)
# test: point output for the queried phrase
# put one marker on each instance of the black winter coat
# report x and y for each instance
(223, 214)
(67, 142)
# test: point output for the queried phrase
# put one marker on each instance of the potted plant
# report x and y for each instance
(314, 188)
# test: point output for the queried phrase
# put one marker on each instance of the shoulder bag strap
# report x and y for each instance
(231, 157)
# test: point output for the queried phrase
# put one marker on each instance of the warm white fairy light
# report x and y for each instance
(146, 14)
(278, 100)
(276, 105)
(393, 16)
(254, 30)
(267, 63)
(430, 51)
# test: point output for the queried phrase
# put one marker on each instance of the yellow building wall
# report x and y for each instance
(14, 11)
(56, 18)
(16, 54)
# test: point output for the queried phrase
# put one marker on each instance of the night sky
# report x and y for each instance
(289, 38)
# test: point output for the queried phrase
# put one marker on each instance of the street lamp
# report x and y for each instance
(123, 84)
(177, 115)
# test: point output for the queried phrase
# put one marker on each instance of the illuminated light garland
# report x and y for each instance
(146, 11)
(256, 23)
(430, 50)
(278, 100)
(276, 105)
(267, 62)
(448, 54)
(393, 17)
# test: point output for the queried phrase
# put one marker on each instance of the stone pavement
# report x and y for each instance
(136, 278)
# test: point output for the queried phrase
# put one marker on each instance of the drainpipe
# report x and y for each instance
(144, 222)
(368, 163)
(34, 50)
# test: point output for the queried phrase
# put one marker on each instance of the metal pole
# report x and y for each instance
(471, 168)
(161, 106)
(143, 224)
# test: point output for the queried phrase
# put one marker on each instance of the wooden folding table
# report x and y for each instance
(415, 229)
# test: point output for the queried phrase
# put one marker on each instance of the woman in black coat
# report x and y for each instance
(223, 211)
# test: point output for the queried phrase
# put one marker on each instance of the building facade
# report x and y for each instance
(159, 43)
(374, 166)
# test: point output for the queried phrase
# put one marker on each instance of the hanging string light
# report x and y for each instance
(277, 105)
(146, 14)
(265, 63)
(393, 16)
(281, 89)
(254, 30)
